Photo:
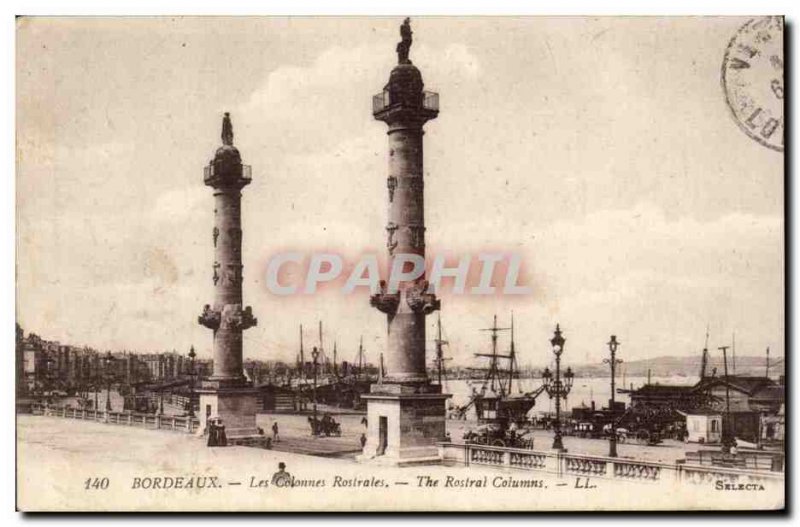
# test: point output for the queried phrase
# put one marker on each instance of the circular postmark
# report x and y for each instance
(752, 78)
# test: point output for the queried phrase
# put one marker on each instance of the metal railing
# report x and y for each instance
(157, 422)
(561, 464)
(430, 100)
(209, 171)
(382, 101)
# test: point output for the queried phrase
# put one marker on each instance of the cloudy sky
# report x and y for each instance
(599, 149)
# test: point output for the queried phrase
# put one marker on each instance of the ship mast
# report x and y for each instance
(704, 360)
(326, 366)
(494, 372)
(726, 442)
(360, 359)
(335, 367)
(512, 357)
(302, 357)
(440, 342)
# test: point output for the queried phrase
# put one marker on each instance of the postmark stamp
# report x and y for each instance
(752, 80)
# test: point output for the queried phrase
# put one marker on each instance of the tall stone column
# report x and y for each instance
(406, 413)
(226, 393)
(405, 358)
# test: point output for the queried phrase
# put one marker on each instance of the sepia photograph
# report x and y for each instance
(400, 264)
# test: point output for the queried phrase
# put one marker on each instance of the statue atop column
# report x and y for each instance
(227, 130)
(404, 45)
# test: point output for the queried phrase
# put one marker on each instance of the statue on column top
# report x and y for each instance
(404, 45)
(227, 130)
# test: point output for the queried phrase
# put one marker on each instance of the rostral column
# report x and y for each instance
(405, 412)
(227, 394)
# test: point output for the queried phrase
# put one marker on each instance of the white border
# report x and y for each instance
(790, 8)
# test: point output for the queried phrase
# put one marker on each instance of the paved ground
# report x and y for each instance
(72, 465)
(294, 427)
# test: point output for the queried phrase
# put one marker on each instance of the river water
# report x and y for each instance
(584, 390)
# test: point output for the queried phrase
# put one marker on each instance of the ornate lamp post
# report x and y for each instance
(109, 361)
(556, 388)
(727, 435)
(315, 356)
(192, 355)
(96, 389)
(613, 361)
(47, 378)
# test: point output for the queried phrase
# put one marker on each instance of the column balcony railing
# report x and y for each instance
(210, 173)
(383, 101)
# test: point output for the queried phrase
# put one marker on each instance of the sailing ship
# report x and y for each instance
(329, 381)
(496, 401)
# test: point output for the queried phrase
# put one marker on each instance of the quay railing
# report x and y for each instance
(567, 464)
(156, 422)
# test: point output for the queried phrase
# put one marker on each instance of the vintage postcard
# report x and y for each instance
(400, 264)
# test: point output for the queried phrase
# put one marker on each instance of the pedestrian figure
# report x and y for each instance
(364, 421)
(275, 432)
(282, 478)
(363, 440)
(312, 421)
(223, 439)
(213, 434)
(512, 431)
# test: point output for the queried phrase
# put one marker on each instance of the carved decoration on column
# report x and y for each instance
(391, 243)
(209, 318)
(419, 300)
(234, 318)
(391, 183)
(233, 274)
(216, 272)
(417, 235)
(385, 302)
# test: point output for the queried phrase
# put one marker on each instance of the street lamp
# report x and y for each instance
(192, 355)
(315, 356)
(109, 361)
(555, 387)
(613, 361)
(96, 390)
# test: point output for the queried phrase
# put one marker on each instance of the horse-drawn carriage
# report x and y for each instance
(326, 426)
(496, 435)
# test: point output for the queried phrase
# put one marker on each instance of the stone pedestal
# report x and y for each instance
(236, 407)
(404, 424)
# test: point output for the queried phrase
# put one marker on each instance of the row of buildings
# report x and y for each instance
(50, 366)
(752, 406)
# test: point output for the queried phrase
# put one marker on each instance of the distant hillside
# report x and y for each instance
(668, 366)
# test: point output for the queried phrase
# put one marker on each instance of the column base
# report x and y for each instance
(404, 428)
(236, 407)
